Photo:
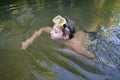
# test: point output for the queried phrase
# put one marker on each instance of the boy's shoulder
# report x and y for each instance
(80, 36)
(79, 33)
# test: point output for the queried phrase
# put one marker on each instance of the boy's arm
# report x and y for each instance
(35, 35)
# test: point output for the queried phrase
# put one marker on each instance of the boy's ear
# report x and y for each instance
(66, 36)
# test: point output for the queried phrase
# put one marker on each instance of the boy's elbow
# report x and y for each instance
(91, 55)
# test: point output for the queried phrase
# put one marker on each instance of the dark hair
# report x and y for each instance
(71, 25)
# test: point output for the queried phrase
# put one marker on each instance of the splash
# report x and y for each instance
(107, 47)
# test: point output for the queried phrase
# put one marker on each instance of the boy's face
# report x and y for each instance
(56, 33)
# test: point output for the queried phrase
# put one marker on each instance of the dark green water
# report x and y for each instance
(41, 61)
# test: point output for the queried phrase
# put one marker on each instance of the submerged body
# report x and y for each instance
(76, 43)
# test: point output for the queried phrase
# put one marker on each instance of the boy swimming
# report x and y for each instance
(64, 31)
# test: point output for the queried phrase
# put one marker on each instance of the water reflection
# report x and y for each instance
(41, 61)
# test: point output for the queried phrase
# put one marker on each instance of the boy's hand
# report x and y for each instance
(25, 44)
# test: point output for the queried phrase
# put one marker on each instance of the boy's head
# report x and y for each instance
(63, 28)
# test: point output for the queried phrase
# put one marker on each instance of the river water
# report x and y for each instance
(41, 60)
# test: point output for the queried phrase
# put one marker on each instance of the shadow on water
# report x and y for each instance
(42, 60)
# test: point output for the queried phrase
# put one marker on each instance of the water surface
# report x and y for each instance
(41, 61)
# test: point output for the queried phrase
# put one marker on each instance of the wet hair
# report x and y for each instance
(71, 26)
